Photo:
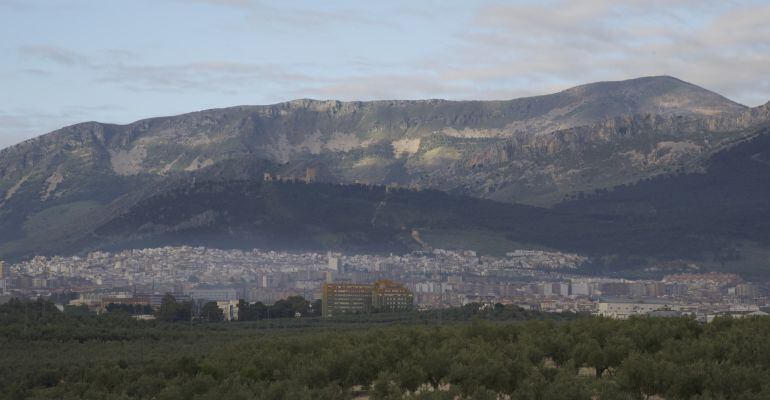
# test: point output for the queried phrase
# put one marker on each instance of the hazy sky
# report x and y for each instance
(67, 61)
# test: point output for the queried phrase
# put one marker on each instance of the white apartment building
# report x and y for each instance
(623, 309)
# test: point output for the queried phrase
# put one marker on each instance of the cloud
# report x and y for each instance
(292, 17)
(235, 3)
(379, 87)
(507, 50)
(55, 54)
(722, 46)
(16, 5)
(126, 69)
(34, 72)
(221, 76)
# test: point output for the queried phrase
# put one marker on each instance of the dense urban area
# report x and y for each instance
(530, 279)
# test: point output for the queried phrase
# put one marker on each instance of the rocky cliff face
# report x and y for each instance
(285, 131)
(542, 168)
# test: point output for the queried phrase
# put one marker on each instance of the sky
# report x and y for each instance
(69, 61)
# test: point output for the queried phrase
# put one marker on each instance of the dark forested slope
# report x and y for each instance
(709, 215)
(725, 207)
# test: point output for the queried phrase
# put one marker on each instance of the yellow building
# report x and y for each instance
(391, 296)
(355, 298)
(311, 174)
(346, 298)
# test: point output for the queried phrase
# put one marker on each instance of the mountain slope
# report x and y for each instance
(659, 95)
(299, 216)
(545, 168)
(285, 131)
(375, 142)
(534, 150)
(725, 207)
(716, 216)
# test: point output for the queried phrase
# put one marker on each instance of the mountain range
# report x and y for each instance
(616, 162)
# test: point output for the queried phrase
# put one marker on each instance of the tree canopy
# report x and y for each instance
(492, 353)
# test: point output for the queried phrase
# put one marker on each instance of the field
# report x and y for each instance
(467, 353)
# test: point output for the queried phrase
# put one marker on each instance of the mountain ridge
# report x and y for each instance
(325, 105)
(271, 132)
(538, 150)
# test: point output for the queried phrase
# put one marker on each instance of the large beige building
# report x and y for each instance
(357, 298)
